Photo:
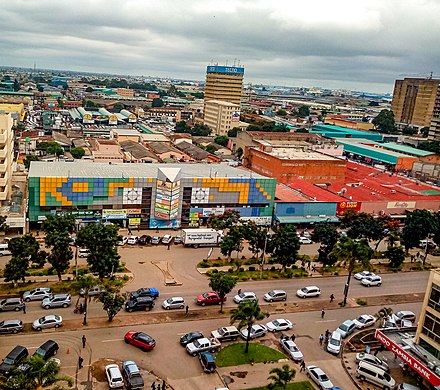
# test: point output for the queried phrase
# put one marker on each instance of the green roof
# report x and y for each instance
(406, 149)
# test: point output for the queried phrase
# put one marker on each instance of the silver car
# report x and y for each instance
(57, 300)
(50, 321)
(10, 304)
(37, 294)
(11, 326)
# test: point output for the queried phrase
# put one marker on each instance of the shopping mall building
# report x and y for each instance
(147, 195)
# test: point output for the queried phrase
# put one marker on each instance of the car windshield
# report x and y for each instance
(305, 290)
(335, 342)
(205, 295)
(40, 351)
(222, 331)
(242, 295)
(196, 343)
(271, 293)
(8, 361)
(276, 323)
(343, 327)
(399, 314)
(361, 319)
(57, 318)
(387, 377)
(323, 378)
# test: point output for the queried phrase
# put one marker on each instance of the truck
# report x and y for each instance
(132, 375)
(201, 237)
(202, 345)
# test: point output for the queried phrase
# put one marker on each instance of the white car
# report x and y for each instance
(364, 321)
(305, 240)
(292, 350)
(114, 376)
(50, 321)
(132, 240)
(371, 281)
(245, 295)
(275, 295)
(363, 274)
(279, 325)
(166, 239)
(173, 303)
(257, 330)
(319, 377)
(373, 360)
(334, 343)
(122, 241)
(309, 291)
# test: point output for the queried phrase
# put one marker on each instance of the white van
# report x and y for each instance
(83, 252)
(4, 250)
(373, 374)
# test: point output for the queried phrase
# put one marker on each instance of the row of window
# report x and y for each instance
(431, 327)
(434, 298)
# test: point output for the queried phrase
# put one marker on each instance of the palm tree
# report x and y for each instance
(383, 314)
(351, 253)
(280, 377)
(247, 313)
(86, 283)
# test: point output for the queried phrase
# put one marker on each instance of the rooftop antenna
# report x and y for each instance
(226, 62)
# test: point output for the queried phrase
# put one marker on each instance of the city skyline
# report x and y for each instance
(363, 45)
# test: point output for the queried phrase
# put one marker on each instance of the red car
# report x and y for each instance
(209, 298)
(141, 340)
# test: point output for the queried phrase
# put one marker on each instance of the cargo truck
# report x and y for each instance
(201, 237)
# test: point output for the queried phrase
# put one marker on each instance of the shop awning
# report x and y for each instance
(306, 219)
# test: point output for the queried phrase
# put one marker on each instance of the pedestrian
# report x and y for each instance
(24, 307)
(332, 297)
(169, 244)
(293, 337)
(157, 229)
(309, 265)
(412, 258)
(418, 255)
(376, 352)
(186, 310)
(163, 385)
(83, 339)
(129, 231)
(80, 362)
(327, 334)
(321, 339)
(322, 313)
(153, 386)
(158, 386)
(302, 366)
(239, 291)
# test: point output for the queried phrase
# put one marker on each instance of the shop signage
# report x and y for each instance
(133, 211)
(261, 221)
(134, 221)
(342, 207)
(401, 205)
(114, 214)
(420, 368)
(82, 214)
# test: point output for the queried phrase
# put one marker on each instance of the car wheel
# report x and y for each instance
(378, 285)
(15, 331)
(386, 388)
(182, 307)
(16, 309)
(39, 329)
(55, 352)
(194, 354)
(47, 307)
(126, 341)
(270, 300)
(130, 310)
(167, 308)
(362, 378)
(27, 300)
(65, 305)
(284, 298)
(213, 350)
(304, 297)
(57, 325)
(203, 304)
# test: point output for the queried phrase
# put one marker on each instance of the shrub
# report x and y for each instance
(361, 302)
(273, 268)
(125, 278)
(231, 270)
(241, 269)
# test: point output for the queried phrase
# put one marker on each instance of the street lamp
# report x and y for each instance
(263, 260)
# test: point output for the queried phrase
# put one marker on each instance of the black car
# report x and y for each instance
(207, 361)
(14, 357)
(144, 239)
(190, 337)
(141, 303)
(144, 292)
(47, 350)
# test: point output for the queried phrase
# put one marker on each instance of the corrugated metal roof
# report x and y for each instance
(406, 149)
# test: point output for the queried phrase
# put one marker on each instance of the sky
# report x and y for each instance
(362, 45)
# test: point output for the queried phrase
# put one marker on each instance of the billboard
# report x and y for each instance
(224, 69)
(342, 207)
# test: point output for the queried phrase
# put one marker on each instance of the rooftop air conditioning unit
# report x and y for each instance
(322, 216)
(308, 216)
(393, 191)
(373, 193)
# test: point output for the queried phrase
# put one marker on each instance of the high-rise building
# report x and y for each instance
(434, 129)
(221, 116)
(6, 155)
(414, 101)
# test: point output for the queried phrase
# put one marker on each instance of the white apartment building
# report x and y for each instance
(6, 156)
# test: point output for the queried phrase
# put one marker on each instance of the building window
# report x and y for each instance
(431, 327)
(434, 298)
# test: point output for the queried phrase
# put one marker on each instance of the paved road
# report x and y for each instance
(169, 360)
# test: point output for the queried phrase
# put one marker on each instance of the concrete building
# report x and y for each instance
(108, 151)
(6, 156)
(414, 100)
(221, 116)
(150, 195)
(434, 129)
(224, 83)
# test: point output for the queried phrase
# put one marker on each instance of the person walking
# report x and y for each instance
(322, 313)
(186, 310)
(327, 334)
(129, 231)
(302, 366)
(332, 298)
(153, 386)
(293, 337)
(24, 307)
(163, 385)
(239, 291)
(83, 340)
(80, 362)
(321, 339)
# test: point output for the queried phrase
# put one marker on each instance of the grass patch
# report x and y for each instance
(306, 385)
(234, 355)
(361, 302)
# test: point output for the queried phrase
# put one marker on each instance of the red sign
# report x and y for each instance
(420, 368)
(342, 207)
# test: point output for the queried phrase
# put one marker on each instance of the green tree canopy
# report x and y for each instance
(233, 132)
(281, 112)
(221, 140)
(182, 127)
(157, 102)
(384, 122)
(246, 314)
(112, 303)
(328, 236)
(280, 377)
(77, 153)
(418, 225)
(303, 111)
(226, 220)
(222, 283)
(395, 255)
(284, 245)
(231, 241)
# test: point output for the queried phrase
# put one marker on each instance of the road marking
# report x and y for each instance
(110, 341)
(325, 321)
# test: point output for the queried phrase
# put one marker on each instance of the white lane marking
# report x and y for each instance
(110, 341)
(325, 321)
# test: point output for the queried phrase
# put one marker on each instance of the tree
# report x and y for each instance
(226, 220)
(257, 237)
(101, 241)
(348, 218)
(384, 122)
(28, 159)
(246, 314)
(157, 102)
(418, 225)
(281, 112)
(328, 236)
(395, 255)
(303, 111)
(231, 241)
(280, 377)
(221, 140)
(383, 315)
(58, 229)
(430, 146)
(89, 89)
(85, 283)
(284, 245)
(15, 269)
(351, 253)
(211, 149)
(424, 131)
(182, 127)
(233, 132)
(222, 283)
(200, 130)
(77, 153)
(112, 303)
(54, 148)
(409, 130)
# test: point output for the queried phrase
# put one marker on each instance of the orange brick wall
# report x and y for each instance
(313, 171)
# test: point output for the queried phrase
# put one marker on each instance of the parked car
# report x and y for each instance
(207, 361)
(226, 333)
(132, 240)
(190, 337)
(50, 321)
(319, 377)
(279, 325)
(427, 243)
(275, 295)
(373, 374)
(245, 295)
(145, 292)
(209, 298)
(114, 376)
(155, 240)
(363, 274)
(141, 303)
(364, 321)
(83, 252)
(122, 241)
(292, 349)
(346, 328)
(47, 349)
(305, 240)
(167, 239)
(371, 281)
(93, 291)
(373, 360)
(403, 315)
(144, 239)
(177, 240)
(309, 291)
(173, 303)
(257, 330)
(11, 326)
(140, 339)
(132, 375)
(37, 294)
(10, 304)
(18, 354)
(57, 300)
(334, 343)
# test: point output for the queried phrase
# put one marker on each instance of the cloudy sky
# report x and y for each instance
(356, 44)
